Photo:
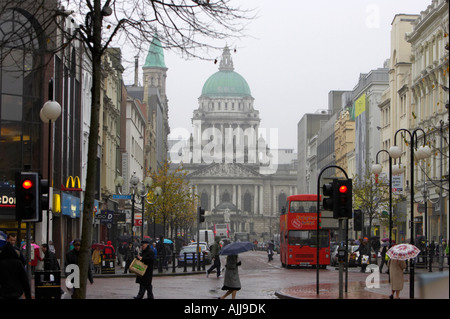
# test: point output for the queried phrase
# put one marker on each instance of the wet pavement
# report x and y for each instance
(260, 280)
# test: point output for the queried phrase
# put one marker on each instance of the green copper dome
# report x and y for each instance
(226, 82)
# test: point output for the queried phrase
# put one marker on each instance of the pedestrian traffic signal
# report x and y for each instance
(357, 220)
(201, 214)
(27, 197)
(43, 194)
(327, 202)
(342, 206)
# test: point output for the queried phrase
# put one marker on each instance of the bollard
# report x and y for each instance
(193, 261)
(203, 261)
(173, 261)
(185, 263)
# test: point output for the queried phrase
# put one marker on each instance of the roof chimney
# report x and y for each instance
(136, 68)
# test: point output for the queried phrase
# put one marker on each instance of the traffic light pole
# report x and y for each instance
(318, 214)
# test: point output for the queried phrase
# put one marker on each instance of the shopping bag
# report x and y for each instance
(137, 267)
(365, 260)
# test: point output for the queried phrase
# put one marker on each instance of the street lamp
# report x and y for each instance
(50, 112)
(422, 152)
(140, 192)
(426, 198)
(376, 169)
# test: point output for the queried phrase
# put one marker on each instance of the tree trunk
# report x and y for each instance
(89, 196)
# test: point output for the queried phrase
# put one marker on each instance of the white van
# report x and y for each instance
(207, 236)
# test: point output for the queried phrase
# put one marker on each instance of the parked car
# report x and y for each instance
(191, 255)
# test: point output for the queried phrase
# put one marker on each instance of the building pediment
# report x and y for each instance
(234, 170)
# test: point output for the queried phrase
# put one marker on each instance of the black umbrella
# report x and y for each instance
(236, 248)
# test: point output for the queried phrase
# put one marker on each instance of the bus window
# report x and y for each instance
(307, 238)
(302, 207)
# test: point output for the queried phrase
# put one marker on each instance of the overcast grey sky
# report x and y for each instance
(298, 52)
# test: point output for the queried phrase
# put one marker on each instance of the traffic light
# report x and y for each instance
(357, 220)
(327, 202)
(342, 192)
(201, 214)
(27, 197)
(43, 194)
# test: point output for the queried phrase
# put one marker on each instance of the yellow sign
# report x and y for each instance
(72, 181)
(56, 203)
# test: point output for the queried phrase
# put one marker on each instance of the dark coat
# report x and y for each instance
(50, 261)
(13, 278)
(148, 257)
(231, 281)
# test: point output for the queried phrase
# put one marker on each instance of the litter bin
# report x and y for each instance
(47, 284)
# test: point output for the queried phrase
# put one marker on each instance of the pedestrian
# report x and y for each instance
(13, 278)
(145, 282)
(96, 258)
(72, 259)
(383, 257)
(129, 255)
(108, 250)
(50, 260)
(12, 239)
(363, 254)
(231, 282)
(270, 247)
(432, 252)
(396, 268)
(154, 249)
(121, 255)
(161, 249)
(215, 250)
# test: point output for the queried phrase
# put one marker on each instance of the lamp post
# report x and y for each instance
(427, 198)
(143, 198)
(50, 112)
(143, 192)
(422, 152)
(376, 169)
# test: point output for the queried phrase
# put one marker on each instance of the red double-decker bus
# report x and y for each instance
(298, 233)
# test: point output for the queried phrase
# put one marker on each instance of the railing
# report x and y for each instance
(199, 263)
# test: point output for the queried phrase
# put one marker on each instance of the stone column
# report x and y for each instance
(239, 198)
(255, 200)
(217, 195)
(261, 199)
(212, 197)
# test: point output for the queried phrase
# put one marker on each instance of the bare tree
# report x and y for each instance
(186, 26)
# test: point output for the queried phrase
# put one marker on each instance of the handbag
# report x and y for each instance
(137, 267)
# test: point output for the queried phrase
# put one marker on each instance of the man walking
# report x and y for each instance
(145, 281)
(215, 249)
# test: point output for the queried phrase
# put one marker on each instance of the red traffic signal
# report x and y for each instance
(342, 206)
(27, 197)
(27, 184)
(343, 189)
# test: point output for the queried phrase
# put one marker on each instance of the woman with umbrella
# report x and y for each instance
(231, 282)
(398, 254)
